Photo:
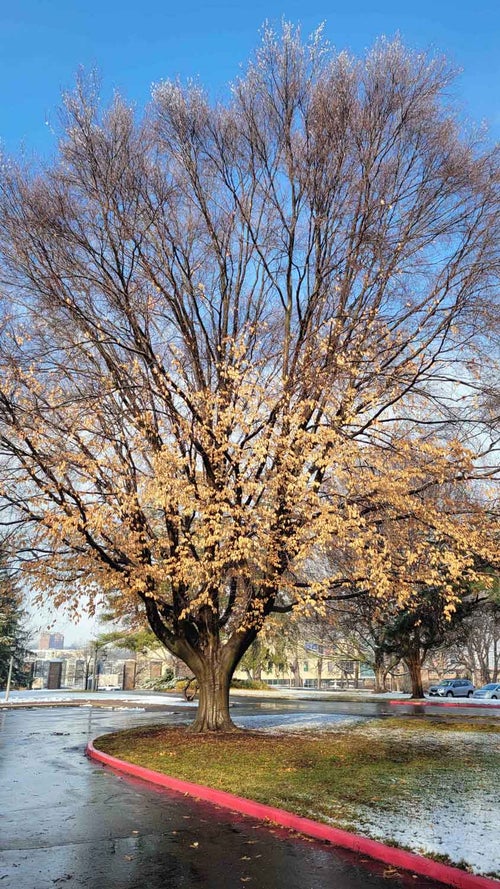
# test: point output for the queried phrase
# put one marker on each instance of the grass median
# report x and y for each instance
(333, 776)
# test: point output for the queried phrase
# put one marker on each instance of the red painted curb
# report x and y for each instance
(417, 864)
(439, 703)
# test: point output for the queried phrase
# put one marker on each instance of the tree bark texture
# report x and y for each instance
(214, 681)
(415, 670)
(380, 678)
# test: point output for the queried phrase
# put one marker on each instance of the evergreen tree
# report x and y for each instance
(423, 626)
(13, 636)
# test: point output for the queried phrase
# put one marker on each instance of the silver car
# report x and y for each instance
(453, 688)
(492, 691)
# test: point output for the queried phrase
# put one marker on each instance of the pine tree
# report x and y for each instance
(13, 636)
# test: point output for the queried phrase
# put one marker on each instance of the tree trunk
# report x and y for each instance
(380, 677)
(211, 661)
(415, 669)
(485, 676)
(381, 670)
(297, 679)
(214, 680)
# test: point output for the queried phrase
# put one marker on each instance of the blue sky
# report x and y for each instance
(43, 42)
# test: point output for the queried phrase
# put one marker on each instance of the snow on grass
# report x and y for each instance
(46, 696)
(457, 814)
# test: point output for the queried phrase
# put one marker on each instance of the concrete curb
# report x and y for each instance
(410, 861)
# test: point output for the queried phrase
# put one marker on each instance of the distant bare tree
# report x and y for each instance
(237, 335)
(477, 651)
(357, 629)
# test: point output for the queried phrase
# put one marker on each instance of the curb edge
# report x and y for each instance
(410, 861)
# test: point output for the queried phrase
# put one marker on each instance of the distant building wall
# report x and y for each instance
(44, 641)
(49, 673)
(50, 640)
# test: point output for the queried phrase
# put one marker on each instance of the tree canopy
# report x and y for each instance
(237, 335)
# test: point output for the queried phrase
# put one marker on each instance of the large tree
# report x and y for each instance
(237, 334)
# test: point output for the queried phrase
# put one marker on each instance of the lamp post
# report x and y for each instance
(95, 663)
(94, 668)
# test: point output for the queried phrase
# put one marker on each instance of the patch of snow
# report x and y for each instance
(458, 817)
(45, 696)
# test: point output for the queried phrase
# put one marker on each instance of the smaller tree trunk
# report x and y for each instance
(380, 671)
(485, 673)
(297, 679)
(415, 669)
(380, 677)
(397, 682)
(320, 671)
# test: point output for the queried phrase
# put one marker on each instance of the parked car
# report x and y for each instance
(452, 688)
(492, 690)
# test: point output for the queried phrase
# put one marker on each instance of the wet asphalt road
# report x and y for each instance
(259, 710)
(69, 822)
(320, 704)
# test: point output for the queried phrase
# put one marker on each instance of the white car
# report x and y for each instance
(492, 691)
